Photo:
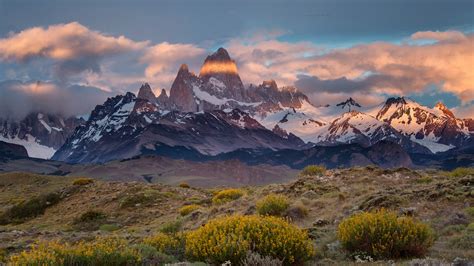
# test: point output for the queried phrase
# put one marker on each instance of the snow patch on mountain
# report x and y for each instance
(34, 149)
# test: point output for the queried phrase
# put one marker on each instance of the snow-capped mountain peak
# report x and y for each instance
(349, 104)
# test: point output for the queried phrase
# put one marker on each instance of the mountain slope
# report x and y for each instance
(125, 126)
(41, 134)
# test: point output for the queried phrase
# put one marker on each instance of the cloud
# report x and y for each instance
(18, 99)
(439, 36)
(465, 111)
(378, 67)
(163, 61)
(73, 47)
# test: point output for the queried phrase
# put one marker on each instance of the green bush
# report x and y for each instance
(109, 227)
(272, 204)
(90, 220)
(381, 234)
(230, 238)
(29, 209)
(227, 195)
(469, 211)
(171, 227)
(313, 170)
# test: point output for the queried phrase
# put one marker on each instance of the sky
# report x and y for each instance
(67, 56)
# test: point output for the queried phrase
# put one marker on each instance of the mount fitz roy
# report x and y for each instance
(213, 115)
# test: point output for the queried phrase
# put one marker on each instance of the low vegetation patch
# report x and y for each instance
(381, 234)
(230, 238)
(167, 244)
(102, 251)
(185, 210)
(227, 195)
(313, 170)
(184, 185)
(83, 181)
(172, 227)
(145, 198)
(273, 204)
(462, 171)
(29, 209)
(109, 227)
(90, 220)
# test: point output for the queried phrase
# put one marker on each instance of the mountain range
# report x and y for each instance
(213, 115)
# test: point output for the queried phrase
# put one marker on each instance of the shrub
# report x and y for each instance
(29, 209)
(381, 234)
(424, 180)
(184, 185)
(151, 256)
(469, 211)
(185, 210)
(109, 227)
(313, 170)
(227, 195)
(230, 238)
(462, 171)
(297, 211)
(272, 205)
(164, 243)
(90, 220)
(171, 227)
(102, 251)
(90, 216)
(83, 181)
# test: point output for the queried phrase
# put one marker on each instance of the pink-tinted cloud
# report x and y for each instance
(63, 42)
(163, 61)
(439, 35)
(389, 68)
(72, 47)
(466, 111)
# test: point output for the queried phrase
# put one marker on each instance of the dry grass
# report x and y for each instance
(437, 198)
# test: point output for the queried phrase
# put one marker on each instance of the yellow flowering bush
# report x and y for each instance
(185, 210)
(381, 234)
(272, 204)
(163, 242)
(227, 195)
(313, 170)
(102, 251)
(82, 181)
(230, 238)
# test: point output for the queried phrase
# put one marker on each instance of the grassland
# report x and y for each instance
(318, 202)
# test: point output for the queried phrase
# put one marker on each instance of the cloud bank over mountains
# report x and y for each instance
(100, 64)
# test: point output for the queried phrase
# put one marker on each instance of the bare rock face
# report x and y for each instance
(273, 97)
(181, 93)
(349, 104)
(221, 78)
(12, 151)
(146, 93)
(163, 100)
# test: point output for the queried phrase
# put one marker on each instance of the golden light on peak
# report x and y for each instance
(218, 67)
